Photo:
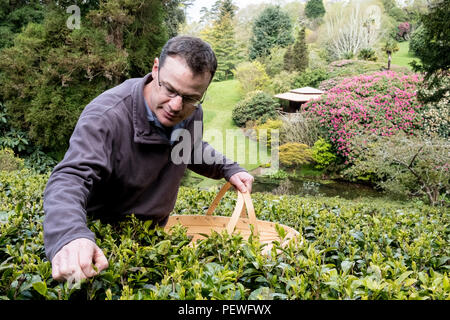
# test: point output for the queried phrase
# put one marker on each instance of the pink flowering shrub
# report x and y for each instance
(381, 103)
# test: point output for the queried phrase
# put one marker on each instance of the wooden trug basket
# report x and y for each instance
(204, 224)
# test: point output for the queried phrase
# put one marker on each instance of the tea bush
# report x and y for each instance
(365, 249)
(8, 161)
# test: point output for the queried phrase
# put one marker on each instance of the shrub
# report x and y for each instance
(405, 165)
(8, 161)
(382, 103)
(323, 154)
(295, 154)
(436, 114)
(273, 63)
(265, 130)
(367, 54)
(311, 78)
(257, 105)
(251, 76)
(417, 40)
(283, 82)
(366, 249)
(298, 128)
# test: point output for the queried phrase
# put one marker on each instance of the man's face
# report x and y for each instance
(170, 81)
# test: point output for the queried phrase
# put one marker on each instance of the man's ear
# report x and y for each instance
(155, 67)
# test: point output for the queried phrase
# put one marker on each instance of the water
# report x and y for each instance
(327, 188)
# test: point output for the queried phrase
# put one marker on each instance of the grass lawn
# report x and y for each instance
(217, 107)
(402, 57)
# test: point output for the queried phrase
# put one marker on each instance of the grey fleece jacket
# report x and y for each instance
(118, 164)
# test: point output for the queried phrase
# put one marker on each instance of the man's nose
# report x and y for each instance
(176, 103)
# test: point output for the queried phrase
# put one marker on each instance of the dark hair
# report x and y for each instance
(198, 54)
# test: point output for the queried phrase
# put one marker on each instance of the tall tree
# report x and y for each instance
(51, 71)
(352, 27)
(296, 57)
(271, 28)
(221, 36)
(14, 15)
(434, 57)
(314, 9)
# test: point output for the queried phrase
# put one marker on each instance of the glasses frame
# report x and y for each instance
(183, 97)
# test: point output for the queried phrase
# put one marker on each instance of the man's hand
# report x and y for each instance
(242, 181)
(75, 261)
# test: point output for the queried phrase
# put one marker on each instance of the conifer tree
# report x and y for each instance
(271, 28)
(296, 57)
(221, 38)
(314, 9)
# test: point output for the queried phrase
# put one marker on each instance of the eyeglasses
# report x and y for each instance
(187, 100)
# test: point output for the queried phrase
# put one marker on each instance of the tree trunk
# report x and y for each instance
(389, 61)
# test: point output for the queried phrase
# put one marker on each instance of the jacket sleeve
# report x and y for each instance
(214, 165)
(65, 197)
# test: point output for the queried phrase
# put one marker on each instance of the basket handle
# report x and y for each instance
(244, 201)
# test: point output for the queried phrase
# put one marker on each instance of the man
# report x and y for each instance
(120, 160)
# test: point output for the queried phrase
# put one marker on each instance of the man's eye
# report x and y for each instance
(191, 99)
(170, 91)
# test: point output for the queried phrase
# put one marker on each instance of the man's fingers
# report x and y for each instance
(100, 261)
(240, 186)
(66, 268)
(75, 260)
(85, 258)
(248, 185)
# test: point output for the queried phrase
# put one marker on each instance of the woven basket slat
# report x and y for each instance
(204, 224)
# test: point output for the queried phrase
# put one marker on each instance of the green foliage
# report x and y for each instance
(390, 46)
(50, 72)
(18, 142)
(264, 131)
(295, 154)
(283, 82)
(174, 15)
(311, 78)
(39, 161)
(417, 40)
(274, 62)
(47, 99)
(270, 29)
(367, 54)
(15, 15)
(257, 105)
(390, 7)
(343, 68)
(251, 76)
(8, 161)
(10, 138)
(137, 29)
(314, 9)
(406, 165)
(322, 154)
(221, 37)
(434, 57)
(347, 250)
(296, 56)
(436, 115)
